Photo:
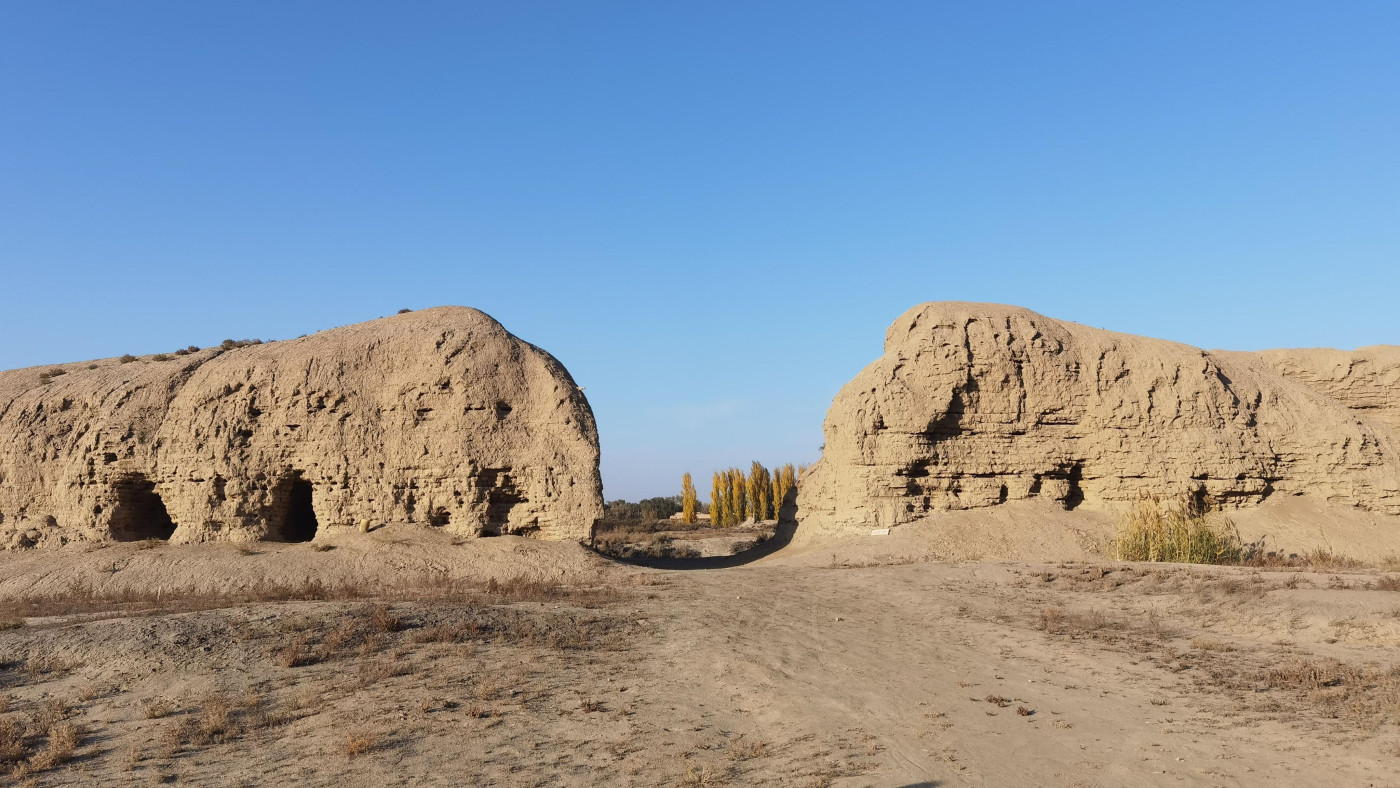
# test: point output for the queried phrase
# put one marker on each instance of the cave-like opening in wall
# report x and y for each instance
(139, 513)
(294, 510)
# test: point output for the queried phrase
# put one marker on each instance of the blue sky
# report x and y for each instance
(708, 211)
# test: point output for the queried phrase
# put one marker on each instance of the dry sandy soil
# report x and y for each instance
(391, 659)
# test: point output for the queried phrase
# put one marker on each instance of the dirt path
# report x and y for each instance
(776, 673)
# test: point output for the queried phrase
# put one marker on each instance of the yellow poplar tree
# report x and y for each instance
(786, 479)
(738, 497)
(718, 510)
(687, 499)
(751, 490)
(760, 495)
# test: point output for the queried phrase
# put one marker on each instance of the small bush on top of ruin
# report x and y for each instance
(405, 310)
(1182, 533)
(234, 344)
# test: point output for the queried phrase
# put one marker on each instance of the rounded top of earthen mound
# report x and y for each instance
(930, 314)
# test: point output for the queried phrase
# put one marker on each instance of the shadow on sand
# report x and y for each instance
(778, 541)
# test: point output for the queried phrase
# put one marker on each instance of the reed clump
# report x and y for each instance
(1182, 531)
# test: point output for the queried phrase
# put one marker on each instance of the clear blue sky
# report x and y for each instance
(709, 211)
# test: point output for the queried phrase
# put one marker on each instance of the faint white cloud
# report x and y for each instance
(695, 415)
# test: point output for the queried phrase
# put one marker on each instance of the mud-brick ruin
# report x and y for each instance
(974, 405)
(439, 417)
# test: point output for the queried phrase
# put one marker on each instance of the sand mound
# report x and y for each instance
(439, 417)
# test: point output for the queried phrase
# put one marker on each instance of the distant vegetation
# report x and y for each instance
(646, 509)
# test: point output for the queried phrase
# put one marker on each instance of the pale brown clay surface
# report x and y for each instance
(977, 405)
(439, 417)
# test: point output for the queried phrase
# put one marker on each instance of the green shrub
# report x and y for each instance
(1182, 533)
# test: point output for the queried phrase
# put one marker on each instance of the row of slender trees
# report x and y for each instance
(736, 497)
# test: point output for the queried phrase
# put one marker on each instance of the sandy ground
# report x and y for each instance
(807, 668)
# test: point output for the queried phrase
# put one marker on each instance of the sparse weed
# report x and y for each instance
(740, 748)
(156, 708)
(360, 743)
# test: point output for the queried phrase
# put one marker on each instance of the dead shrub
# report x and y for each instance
(1093, 624)
(450, 632)
(360, 743)
(742, 749)
(8, 622)
(47, 717)
(90, 691)
(134, 756)
(344, 638)
(1310, 674)
(702, 775)
(156, 708)
(371, 671)
(1388, 583)
(297, 653)
(57, 749)
(384, 620)
(45, 666)
(172, 738)
(215, 718)
(1208, 644)
(12, 741)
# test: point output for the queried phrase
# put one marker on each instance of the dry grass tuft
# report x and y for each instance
(297, 653)
(1210, 644)
(62, 742)
(742, 749)
(384, 620)
(156, 708)
(80, 597)
(1183, 533)
(357, 744)
(702, 775)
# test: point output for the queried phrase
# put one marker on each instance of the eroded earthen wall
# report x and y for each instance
(972, 405)
(439, 417)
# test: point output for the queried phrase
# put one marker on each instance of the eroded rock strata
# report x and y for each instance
(440, 417)
(973, 405)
